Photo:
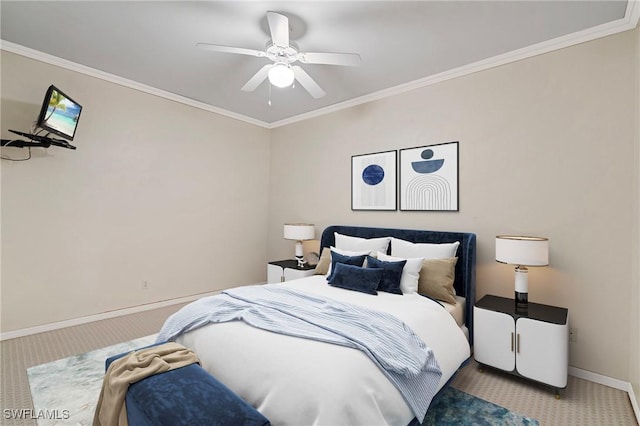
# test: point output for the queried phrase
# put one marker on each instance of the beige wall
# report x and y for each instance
(548, 146)
(156, 191)
(634, 336)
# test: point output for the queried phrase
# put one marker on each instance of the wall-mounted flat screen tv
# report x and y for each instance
(59, 114)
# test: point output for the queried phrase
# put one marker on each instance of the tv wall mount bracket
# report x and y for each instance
(36, 141)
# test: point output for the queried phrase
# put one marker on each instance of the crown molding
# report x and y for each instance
(628, 22)
(632, 14)
(92, 72)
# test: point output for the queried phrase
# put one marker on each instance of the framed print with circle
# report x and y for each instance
(374, 181)
(429, 178)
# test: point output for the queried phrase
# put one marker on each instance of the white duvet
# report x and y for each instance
(295, 381)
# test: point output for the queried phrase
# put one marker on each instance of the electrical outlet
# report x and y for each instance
(145, 285)
(573, 335)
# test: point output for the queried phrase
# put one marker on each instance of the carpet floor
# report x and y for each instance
(71, 398)
(582, 402)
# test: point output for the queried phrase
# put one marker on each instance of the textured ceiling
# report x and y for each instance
(153, 43)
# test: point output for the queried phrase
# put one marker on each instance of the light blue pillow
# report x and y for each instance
(357, 278)
(337, 258)
(392, 272)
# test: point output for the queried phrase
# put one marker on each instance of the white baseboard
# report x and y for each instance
(101, 316)
(634, 403)
(600, 379)
(611, 382)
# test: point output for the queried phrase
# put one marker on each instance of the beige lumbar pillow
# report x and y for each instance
(436, 279)
(322, 268)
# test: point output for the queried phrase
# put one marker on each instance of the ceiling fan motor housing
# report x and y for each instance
(282, 54)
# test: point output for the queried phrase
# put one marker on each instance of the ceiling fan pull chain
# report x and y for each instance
(269, 95)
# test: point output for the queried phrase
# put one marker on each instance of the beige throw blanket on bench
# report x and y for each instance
(131, 368)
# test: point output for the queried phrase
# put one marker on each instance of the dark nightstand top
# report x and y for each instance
(536, 311)
(291, 264)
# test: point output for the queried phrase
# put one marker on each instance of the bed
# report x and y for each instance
(293, 380)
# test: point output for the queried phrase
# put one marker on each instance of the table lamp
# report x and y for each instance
(299, 232)
(522, 252)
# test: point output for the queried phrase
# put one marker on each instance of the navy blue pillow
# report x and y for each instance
(365, 280)
(392, 272)
(349, 260)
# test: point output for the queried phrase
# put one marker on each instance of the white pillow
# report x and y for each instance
(348, 253)
(402, 248)
(410, 272)
(345, 242)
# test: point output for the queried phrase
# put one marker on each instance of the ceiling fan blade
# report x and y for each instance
(230, 49)
(348, 59)
(307, 82)
(257, 79)
(279, 27)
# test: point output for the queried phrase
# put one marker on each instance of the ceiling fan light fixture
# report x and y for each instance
(281, 75)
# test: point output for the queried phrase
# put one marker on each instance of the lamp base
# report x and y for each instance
(522, 297)
(522, 289)
(522, 303)
(299, 254)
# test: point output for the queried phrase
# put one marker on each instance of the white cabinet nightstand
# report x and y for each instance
(287, 270)
(531, 343)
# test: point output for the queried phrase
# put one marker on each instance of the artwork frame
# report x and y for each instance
(374, 181)
(428, 184)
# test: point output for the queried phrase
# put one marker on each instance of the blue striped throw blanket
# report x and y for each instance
(392, 345)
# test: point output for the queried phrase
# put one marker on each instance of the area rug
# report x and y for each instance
(65, 392)
(455, 407)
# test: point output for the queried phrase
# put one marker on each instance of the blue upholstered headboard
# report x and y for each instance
(465, 280)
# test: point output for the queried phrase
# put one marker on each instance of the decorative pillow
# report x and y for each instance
(345, 253)
(337, 258)
(322, 267)
(436, 279)
(324, 264)
(406, 249)
(410, 272)
(351, 252)
(345, 242)
(392, 272)
(356, 278)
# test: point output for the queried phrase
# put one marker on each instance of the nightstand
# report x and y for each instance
(286, 270)
(531, 343)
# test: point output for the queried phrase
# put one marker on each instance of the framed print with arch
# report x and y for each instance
(429, 178)
(374, 181)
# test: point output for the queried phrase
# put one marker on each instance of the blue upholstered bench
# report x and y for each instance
(186, 396)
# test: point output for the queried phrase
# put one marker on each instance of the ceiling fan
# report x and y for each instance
(284, 54)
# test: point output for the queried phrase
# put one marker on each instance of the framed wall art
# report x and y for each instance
(374, 181)
(429, 178)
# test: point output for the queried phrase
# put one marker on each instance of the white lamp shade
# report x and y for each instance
(299, 231)
(524, 251)
(281, 75)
